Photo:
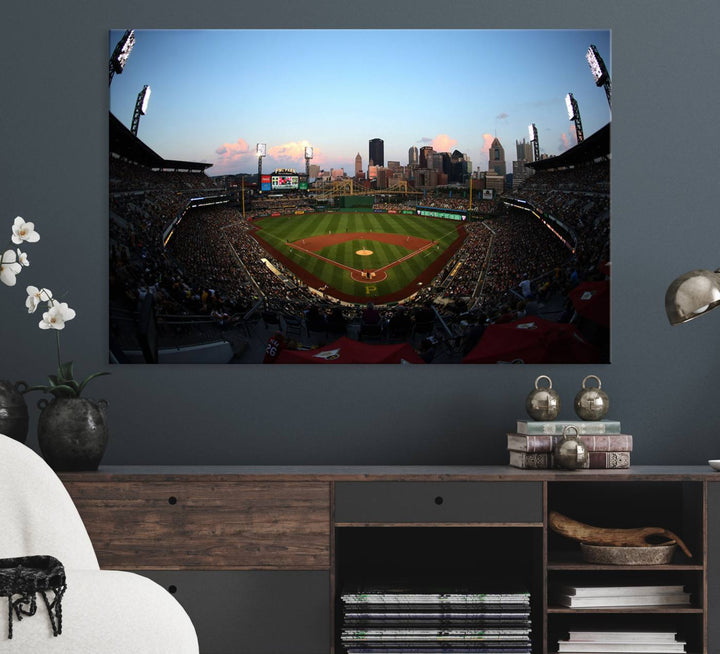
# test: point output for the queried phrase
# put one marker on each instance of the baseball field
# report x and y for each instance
(361, 256)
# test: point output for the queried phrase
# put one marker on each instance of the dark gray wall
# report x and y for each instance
(662, 383)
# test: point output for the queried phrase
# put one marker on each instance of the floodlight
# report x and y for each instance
(308, 152)
(597, 65)
(140, 108)
(122, 51)
(570, 106)
(533, 132)
(261, 149)
(145, 99)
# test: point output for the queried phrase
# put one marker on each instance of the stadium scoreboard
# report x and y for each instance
(282, 182)
(447, 214)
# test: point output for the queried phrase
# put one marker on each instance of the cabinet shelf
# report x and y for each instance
(573, 561)
(625, 609)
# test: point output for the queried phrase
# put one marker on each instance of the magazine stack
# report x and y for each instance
(385, 621)
(599, 642)
(583, 597)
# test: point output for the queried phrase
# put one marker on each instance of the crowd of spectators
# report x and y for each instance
(126, 176)
(214, 267)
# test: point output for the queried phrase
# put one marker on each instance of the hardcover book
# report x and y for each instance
(555, 427)
(546, 442)
(596, 460)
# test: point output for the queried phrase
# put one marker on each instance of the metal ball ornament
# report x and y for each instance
(591, 403)
(543, 403)
(570, 453)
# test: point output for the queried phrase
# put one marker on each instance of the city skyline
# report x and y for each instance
(216, 93)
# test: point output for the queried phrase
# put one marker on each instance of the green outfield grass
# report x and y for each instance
(278, 231)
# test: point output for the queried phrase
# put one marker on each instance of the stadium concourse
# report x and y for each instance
(190, 283)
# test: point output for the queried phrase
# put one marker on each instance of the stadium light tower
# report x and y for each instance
(574, 115)
(308, 156)
(599, 71)
(141, 105)
(121, 53)
(534, 140)
(260, 151)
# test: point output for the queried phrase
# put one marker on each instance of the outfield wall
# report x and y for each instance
(356, 201)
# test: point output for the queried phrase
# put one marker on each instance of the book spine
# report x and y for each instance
(555, 428)
(593, 442)
(530, 460)
(595, 461)
(608, 460)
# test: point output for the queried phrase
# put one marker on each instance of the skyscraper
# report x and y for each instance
(358, 164)
(425, 155)
(413, 156)
(377, 152)
(496, 158)
(524, 150)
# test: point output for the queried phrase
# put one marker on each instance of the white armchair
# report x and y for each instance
(104, 612)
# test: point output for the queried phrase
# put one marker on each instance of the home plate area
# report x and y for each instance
(314, 244)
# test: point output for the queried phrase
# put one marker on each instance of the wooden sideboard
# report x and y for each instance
(259, 555)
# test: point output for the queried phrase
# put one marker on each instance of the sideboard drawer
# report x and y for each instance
(221, 525)
(442, 501)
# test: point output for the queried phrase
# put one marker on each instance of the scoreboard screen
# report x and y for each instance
(447, 214)
(284, 182)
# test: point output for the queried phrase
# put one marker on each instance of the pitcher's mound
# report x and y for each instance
(364, 253)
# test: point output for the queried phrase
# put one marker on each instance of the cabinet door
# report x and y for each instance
(438, 502)
(144, 524)
(254, 611)
(713, 566)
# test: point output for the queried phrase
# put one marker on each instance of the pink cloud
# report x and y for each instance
(294, 150)
(228, 152)
(443, 143)
(487, 142)
(564, 142)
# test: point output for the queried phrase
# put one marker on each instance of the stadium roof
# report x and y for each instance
(125, 144)
(594, 146)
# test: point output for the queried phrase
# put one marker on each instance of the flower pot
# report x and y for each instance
(13, 410)
(72, 432)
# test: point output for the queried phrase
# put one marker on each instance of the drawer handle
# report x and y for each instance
(172, 500)
(172, 589)
(439, 500)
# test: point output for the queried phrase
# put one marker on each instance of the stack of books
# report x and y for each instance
(531, 446)
(384, 621)
(597, 642)
(583, 597)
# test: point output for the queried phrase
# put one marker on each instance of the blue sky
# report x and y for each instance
(216, 93)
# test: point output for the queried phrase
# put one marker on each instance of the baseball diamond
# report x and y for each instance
(356, 257)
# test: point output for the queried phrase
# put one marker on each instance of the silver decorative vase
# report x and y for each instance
(13, 410)
(72, 433)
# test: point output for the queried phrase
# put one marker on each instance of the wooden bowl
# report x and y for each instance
(622, 555)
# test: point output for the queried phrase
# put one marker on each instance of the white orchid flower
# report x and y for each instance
(22, 231)
(56, 316)
(36, 296)
(22, 258)
(9, 267)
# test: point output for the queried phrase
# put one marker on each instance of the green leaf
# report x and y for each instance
(88, 379)
(53, 380)
(45, 389)
(65, 371)
(63, 391)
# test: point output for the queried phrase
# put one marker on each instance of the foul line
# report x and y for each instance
(425, 247)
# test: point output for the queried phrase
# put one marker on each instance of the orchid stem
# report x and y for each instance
(57, 334)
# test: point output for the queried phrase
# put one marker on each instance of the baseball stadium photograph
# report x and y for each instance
(296, 197)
